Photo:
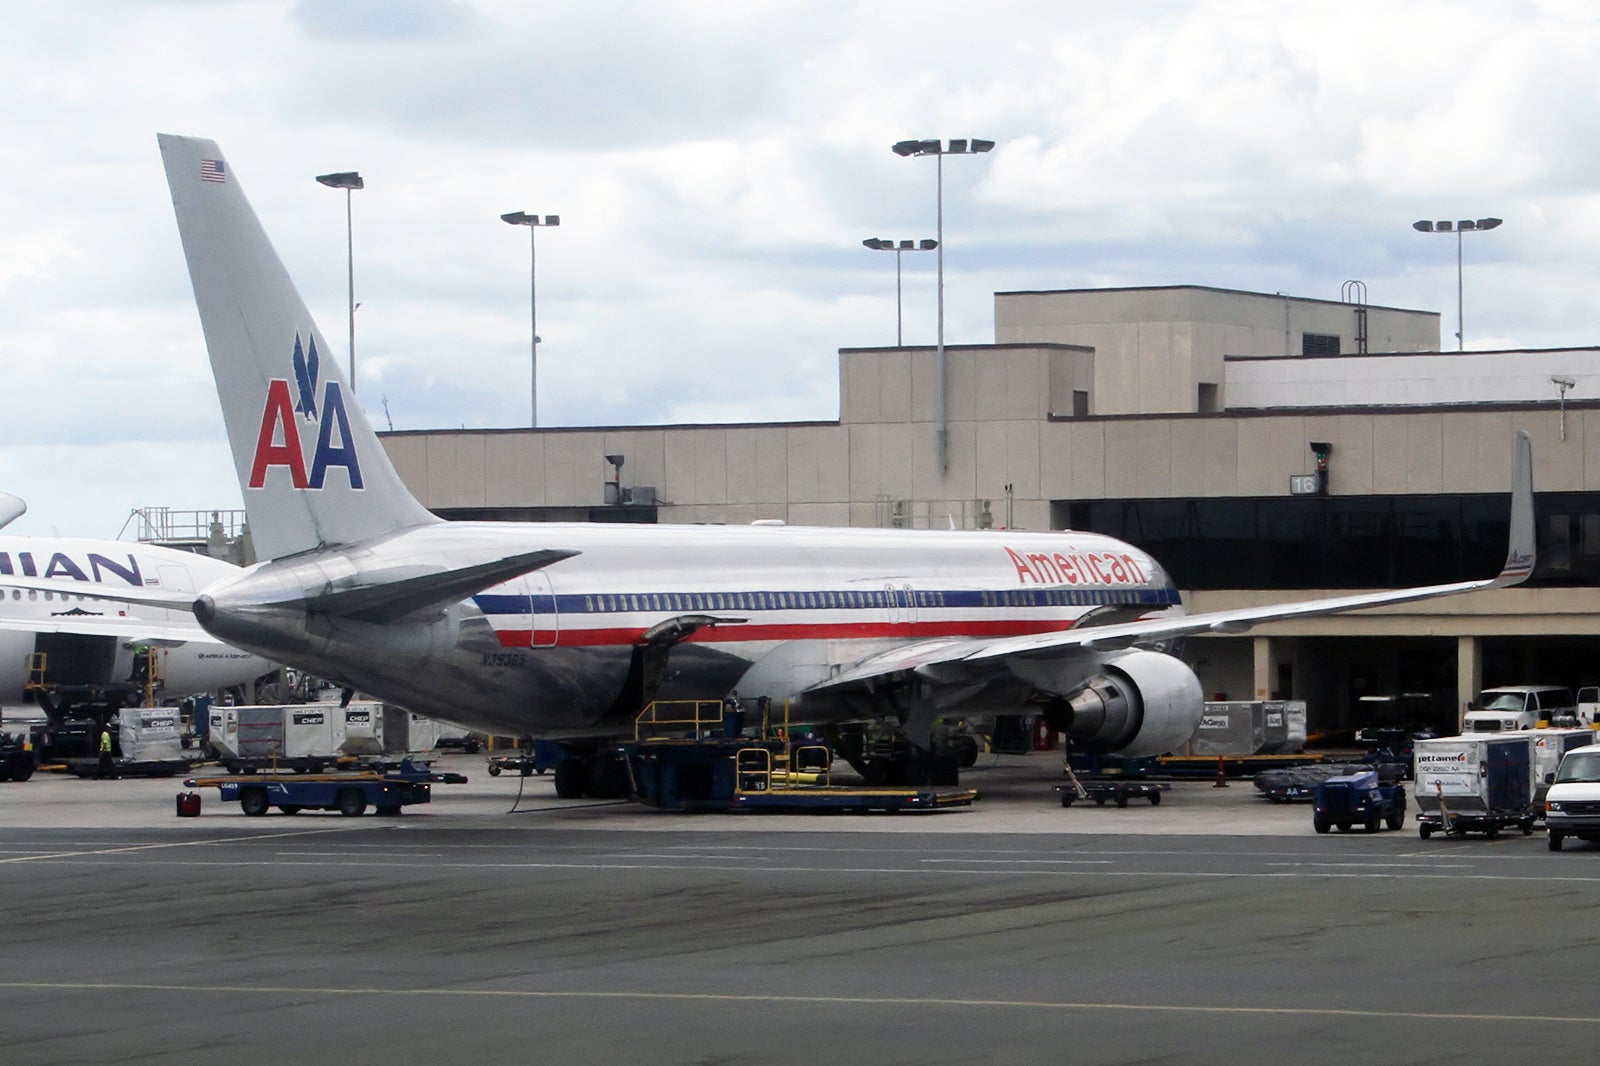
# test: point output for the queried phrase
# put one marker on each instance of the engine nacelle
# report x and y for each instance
(1142, 703)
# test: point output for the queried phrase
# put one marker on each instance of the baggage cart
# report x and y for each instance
(1479, 783)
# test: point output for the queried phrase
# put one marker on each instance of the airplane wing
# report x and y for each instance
(1520, 558)
(166, 633)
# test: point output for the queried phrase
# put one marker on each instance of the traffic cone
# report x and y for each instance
(1222, 775)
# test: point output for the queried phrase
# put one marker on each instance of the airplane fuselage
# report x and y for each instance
(771, 611)
(90, 641)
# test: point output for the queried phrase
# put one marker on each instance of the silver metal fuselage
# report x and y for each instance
(551, 653)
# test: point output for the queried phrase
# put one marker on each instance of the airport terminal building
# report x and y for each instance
(1263, 447)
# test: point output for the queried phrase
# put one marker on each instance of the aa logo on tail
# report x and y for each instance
(279, 442)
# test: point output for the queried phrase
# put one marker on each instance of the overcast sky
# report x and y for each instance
(716, 166)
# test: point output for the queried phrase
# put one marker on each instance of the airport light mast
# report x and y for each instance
(940, 149)
(1458, 228)
(349, 181)
(533, 222)
(879, 244)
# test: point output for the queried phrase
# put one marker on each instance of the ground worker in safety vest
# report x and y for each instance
(104, 769)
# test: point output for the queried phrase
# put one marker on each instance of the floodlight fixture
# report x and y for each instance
(1458, 227)
(939, 149)
(348, 180)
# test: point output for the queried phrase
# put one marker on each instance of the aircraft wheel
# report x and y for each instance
(351, 803)
(570, 776)
(253, 801)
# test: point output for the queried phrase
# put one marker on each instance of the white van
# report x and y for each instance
(1513, 707)
(1572, 806)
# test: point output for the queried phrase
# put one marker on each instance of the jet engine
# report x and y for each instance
(1141, 703)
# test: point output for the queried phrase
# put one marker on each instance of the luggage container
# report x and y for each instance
(1549, 745)
(373, 729)
(289, 736)
(1475, 783)
(1253, 727)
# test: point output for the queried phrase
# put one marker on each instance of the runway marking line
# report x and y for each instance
(945, 871)
(758, 998)
(46, 856)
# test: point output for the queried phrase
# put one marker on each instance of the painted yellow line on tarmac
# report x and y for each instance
(758, 998)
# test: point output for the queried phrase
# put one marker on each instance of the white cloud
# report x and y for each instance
(716, 165)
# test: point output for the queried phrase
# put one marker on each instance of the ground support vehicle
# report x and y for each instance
(743, 774)
(544, 756)
(1366, 799)
(1119, 792)
(16, 758)
(350, 794)
(1290, 784)
(697, 755)
(1206, 766)
(1475, 783)
(1512, 707)
(1572, 804)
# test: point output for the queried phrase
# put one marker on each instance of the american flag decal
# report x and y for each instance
(213, 170)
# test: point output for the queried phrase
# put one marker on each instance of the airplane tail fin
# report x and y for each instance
(311, 469)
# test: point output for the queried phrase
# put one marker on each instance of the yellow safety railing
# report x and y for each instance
(677, 716)
(756, 769)
(36, 670)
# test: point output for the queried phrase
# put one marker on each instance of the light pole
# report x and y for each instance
(879, 244)
(940, 149)
(348, 180)
(1458, 228)
(533, 222)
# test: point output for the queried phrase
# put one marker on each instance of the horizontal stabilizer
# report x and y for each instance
(391, 600)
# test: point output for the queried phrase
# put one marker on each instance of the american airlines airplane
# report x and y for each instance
(88, 641)
(566, 630)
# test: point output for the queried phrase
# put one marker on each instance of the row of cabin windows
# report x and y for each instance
(898, 598)
(757, 601)
(33, 594)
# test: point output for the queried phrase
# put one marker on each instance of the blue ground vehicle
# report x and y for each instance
(349, 794)
(1362, 798)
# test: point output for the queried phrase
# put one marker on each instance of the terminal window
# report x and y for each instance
(1319, 344)
(1351, 542)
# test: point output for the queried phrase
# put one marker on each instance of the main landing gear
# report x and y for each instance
(603, 775)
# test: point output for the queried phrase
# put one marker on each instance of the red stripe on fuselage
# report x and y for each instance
(737, 634)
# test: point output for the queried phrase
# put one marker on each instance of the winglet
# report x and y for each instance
(1521, 552)
(11, 508)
